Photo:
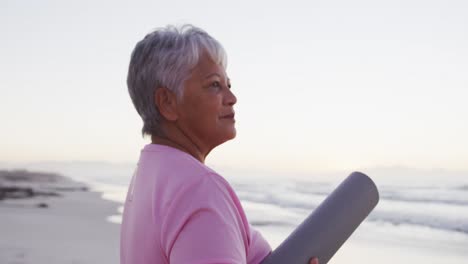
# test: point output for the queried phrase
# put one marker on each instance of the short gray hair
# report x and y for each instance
(164, 58)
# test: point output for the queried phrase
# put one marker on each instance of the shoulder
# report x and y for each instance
(205, 191)
(170, 167)
(200, 189)
(181, 170)
(205, 204)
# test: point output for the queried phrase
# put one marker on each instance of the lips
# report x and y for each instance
(228, 116)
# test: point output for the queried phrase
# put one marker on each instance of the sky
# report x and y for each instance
(321, 85)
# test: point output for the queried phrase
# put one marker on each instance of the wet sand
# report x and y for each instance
(48, 218)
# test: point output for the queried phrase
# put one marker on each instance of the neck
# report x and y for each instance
(177, 139)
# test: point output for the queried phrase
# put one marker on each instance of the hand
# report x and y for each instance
(314, 260)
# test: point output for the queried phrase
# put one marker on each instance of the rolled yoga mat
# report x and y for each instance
(323, 232)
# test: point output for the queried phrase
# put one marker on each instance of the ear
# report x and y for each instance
(166, 102)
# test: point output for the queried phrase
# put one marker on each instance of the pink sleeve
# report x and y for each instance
(259, 247)
(208, 238)
(206, 228)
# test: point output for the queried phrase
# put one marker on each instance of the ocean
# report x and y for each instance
(422, 213)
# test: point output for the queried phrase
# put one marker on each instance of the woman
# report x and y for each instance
(177, 209)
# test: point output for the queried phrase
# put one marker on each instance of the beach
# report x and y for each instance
(52, 219)
(66, 220)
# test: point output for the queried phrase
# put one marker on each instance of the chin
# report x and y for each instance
(233, 134)
(229, 135)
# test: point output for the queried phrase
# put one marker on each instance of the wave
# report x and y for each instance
(445, 224)
(454, 200)
(415, 194)
(396, 218)
(286, 202)
(432, 207)
(271, 223)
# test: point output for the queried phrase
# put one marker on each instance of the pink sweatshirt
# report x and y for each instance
(180, 211)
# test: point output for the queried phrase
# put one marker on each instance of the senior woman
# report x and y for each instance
(177, 209)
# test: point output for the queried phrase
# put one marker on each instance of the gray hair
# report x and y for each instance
(165, 58)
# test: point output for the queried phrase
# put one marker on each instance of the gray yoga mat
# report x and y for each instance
(323, 232)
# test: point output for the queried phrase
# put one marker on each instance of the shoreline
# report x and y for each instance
(50, 218)
(81, 225)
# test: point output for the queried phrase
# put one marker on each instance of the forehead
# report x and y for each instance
(207, 66)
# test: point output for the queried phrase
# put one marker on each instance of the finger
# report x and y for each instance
(314, 260)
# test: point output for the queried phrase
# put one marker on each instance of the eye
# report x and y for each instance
(215, 85)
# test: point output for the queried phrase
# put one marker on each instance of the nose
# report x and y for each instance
(230, 99)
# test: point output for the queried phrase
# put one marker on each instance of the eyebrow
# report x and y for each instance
(212, 74)
(216, 74)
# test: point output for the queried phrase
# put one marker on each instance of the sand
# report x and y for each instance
(45, 228)
(72, 227)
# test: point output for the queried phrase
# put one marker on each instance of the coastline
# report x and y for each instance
(49, 218)
(80, 227)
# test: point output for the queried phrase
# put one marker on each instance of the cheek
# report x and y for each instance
(211, 113)
(212, 123)
(211, 105)
(205, 113)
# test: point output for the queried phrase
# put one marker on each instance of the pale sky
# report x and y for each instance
(320, 84)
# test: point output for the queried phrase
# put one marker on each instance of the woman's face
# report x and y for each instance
(206, 113)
